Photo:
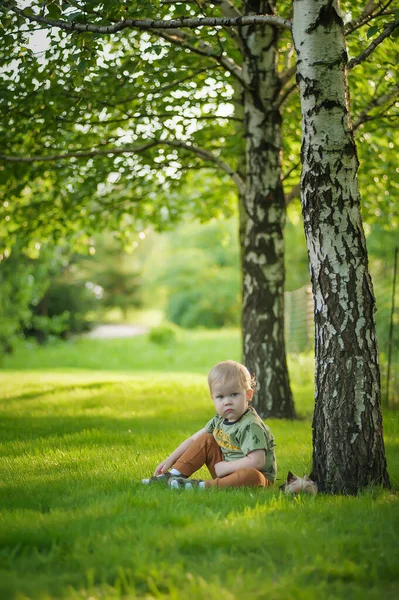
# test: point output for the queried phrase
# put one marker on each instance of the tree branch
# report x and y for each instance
(375, 103)
(283, 96)
(146, 24)
(388, 29)
(367, 15)
(287, 75)
(148, 115)
(203, 49)
(204, 154)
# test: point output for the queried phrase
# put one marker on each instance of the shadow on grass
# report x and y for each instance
(101, 428)
(41, 393)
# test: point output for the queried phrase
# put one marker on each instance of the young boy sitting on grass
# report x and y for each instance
(236, 446)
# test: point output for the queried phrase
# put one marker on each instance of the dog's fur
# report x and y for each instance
(299, 485)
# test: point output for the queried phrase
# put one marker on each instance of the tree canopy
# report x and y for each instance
(119, 119)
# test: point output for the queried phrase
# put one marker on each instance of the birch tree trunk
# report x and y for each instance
(264, 218)
(348, 446)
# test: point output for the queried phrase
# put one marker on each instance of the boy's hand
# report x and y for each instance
(163, 466)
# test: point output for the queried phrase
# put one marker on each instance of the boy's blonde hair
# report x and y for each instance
(230, 369)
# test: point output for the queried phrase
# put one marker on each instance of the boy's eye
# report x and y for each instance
(219, 397)
(234, 394)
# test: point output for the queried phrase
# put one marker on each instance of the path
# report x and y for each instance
(116, 331)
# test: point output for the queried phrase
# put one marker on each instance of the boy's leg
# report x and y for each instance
(242, 477)
(202, 451)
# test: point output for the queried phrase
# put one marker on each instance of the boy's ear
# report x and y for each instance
(250, 395)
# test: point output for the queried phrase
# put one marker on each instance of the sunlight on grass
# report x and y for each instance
(83, 422)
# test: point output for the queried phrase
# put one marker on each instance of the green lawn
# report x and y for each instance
(82, 422)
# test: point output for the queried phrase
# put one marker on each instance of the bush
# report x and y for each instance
(163, 335)
(23, 281)
(65, 306)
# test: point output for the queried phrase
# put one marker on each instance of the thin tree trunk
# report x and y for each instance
(348, 446)
(264, 206)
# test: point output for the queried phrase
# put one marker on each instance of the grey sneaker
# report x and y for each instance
(183, 483)
(163, 478)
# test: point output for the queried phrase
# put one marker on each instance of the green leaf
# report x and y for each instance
(74, 15)
(157, 48)
(53, 12)
(28, 11)
(6, 21)
(373, 30)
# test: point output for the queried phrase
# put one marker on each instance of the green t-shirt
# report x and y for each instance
(249, 433)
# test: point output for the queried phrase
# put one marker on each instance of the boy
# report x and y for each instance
(236, 446)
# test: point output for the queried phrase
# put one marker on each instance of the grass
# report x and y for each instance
(83, 422)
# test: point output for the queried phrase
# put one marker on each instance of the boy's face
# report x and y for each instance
(230, 399)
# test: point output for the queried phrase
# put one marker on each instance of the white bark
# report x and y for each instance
(347, 428)
(263, 243)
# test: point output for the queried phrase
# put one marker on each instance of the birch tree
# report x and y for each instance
(348, 446)
(263, 216)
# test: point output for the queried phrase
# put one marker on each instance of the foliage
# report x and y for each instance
(375, 123)
(69, 302)
(163, 335)
(196, 269)
(75, 445)
(381, 245)
(23, 282)
(80, 94)
(296, 255)
(115, 273)
(144, 90)
(102, 278)
(215, 304)
(120, 289)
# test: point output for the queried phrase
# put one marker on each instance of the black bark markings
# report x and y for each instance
(262, 235)
(327, 17)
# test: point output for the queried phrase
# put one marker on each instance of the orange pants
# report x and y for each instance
(205, 451)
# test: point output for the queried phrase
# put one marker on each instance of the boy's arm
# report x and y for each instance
(166, 464)
(255, 459)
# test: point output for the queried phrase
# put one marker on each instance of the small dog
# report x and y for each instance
(299, 485)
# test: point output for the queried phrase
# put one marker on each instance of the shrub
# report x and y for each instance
(23, 281)
(65, 306)
(163, 335)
